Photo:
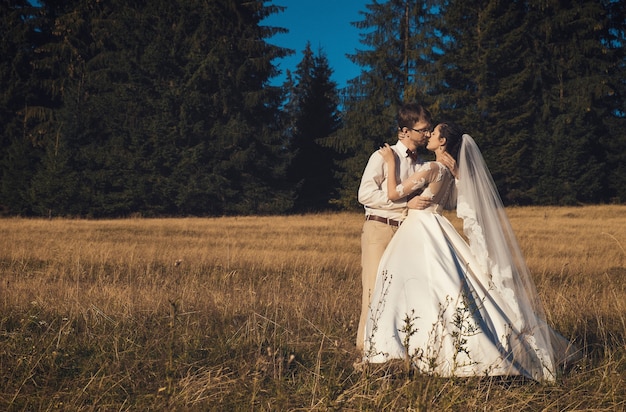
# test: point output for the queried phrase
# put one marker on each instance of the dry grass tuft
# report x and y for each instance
(260, 313)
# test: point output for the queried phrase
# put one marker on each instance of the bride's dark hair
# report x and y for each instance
(454, 137)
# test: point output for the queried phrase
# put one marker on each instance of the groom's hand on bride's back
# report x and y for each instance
(418, 202)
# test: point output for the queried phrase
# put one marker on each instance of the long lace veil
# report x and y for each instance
(495, 248)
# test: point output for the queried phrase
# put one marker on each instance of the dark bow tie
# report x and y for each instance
(412, 155)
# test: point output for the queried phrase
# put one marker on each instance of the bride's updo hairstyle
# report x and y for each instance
(454, 137)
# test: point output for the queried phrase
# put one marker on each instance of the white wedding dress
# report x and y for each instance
(448, 307)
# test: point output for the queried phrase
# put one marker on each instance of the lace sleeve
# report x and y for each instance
(418, 180)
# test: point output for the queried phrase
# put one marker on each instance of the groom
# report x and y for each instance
(382, 216)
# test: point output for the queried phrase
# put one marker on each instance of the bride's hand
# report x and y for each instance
(387, 153)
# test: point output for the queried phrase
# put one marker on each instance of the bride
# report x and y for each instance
(451, 307)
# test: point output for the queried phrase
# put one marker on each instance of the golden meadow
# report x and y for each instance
(260, 313)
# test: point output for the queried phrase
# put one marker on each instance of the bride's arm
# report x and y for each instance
(417, 180)
(397, 191)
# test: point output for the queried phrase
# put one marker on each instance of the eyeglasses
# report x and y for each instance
(423, 131)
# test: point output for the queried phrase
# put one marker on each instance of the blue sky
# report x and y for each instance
(326, 24)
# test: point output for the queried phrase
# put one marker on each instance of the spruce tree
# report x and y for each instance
(530, 80)
(484, 82)
(159, 108)
(614, 141)
(60, 65)
(397, 49)
(571, 64)
(232, 157)
(22, 124)
(313, 113)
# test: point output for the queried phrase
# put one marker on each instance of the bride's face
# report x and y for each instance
(435, 139)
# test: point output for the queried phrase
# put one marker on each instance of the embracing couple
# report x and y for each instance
(450, 306)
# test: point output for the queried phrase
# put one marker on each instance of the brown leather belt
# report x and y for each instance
(385, 220)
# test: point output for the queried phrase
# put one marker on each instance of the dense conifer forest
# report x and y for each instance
(114, 108)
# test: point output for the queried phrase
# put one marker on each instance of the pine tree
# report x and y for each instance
(571, 63)
(529, 79)
(484, 86)
(20, 137)
(159, 108)
(59, 66)
(398, 49)
(312, 108)
(614, 142)
(232, 157)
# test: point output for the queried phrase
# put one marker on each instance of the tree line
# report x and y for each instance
(114, 108)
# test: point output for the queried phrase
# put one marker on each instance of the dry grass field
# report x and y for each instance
(260, 313)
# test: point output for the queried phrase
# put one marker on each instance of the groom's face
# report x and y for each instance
(419, 133)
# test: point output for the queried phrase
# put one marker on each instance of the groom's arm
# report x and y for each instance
(449, 162)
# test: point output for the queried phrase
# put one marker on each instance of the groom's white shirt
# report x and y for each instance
(373, 189)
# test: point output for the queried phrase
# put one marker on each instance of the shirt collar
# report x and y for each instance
(401, 148)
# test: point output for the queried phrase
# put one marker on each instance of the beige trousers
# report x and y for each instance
(375, 237)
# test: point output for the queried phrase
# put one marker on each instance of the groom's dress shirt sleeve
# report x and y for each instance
(373, 189)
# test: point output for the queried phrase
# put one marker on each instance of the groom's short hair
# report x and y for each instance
(411, 113)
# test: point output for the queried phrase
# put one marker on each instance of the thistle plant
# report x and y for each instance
(408, 329)
(463, 327)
